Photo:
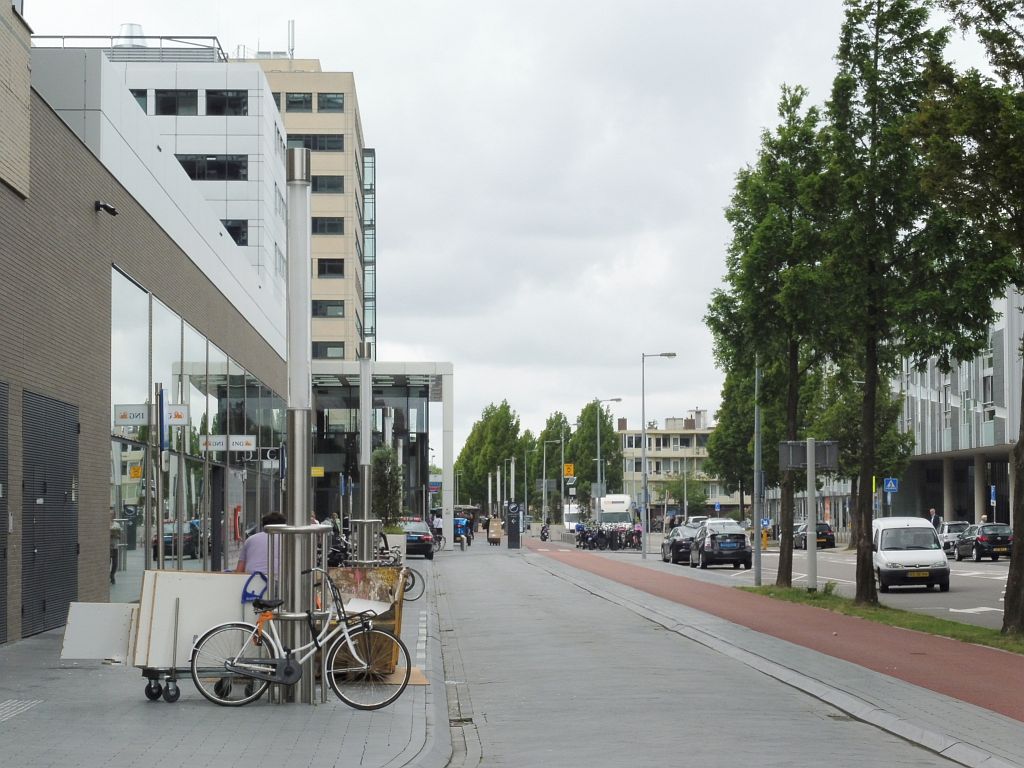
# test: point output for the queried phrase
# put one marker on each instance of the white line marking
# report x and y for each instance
(14, 707)
(982, 609)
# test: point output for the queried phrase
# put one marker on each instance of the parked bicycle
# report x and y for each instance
(233, 664)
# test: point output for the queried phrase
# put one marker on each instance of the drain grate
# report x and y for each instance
(458, 722)
(14, 707)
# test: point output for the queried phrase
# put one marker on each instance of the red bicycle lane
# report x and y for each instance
(990, 678)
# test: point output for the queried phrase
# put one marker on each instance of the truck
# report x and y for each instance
(616, 508)
(571, 515)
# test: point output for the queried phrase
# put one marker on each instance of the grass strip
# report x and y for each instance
(894, 617)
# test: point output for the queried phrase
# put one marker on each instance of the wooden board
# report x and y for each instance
(103, 631)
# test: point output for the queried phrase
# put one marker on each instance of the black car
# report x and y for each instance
(986, 540)
(189, 541)
(826, 536)
(722, 541)
(419, 539)
(676, 546)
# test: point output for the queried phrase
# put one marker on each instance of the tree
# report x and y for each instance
(974, 129)
(693, 490)
(493, 439)
(898, 252)
(581, 450)
(778, 214)
(386, 474)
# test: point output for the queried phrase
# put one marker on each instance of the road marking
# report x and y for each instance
(982, 609)
(13, 707)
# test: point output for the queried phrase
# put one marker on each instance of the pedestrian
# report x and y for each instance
(115, 545)
(254, 557)
(436, 523)
(935, 519)
(984, 518)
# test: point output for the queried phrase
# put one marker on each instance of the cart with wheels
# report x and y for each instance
(494, 532)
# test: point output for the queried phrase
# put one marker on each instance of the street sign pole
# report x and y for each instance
(811, 538)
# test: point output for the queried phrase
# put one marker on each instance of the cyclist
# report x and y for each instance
(461, 530)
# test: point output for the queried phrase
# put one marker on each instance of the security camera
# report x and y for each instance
(101, 206)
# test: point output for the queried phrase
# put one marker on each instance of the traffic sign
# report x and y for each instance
(569, 470)
(992, 497)
(513, 508)
(718, 506)
(891, 485)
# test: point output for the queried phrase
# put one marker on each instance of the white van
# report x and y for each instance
(906, 551)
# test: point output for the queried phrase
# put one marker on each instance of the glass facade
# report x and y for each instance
(210, 497)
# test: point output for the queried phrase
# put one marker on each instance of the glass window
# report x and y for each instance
(141, 98)
(174, 102)
(328, 350)
(317, 142)
(298, 102)
(328, 185)
(330, 102)
(227, 102)
(328, 225)
(277, 100)
(986, 389)
(215, 167)
(193, 386)
(328, 308)
(330, 267)
(166, 357)
(129, 348)
(238, 229)
(217, 394)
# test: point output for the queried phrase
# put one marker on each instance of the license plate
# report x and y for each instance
(728, 545)
(918, 574)
(1000, 549)
(821, 541)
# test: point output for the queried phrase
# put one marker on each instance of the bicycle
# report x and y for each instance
(414, 584)
(233, 664)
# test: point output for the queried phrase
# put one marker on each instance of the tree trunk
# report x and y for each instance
(865, 572)
(1013, 602)
(854, 527)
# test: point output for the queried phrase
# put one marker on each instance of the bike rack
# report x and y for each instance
(295, 584)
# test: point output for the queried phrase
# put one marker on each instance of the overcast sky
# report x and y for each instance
(551, 173)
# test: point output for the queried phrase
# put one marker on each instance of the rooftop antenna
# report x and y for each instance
(291, 38)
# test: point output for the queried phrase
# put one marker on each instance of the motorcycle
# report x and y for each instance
(544, 533)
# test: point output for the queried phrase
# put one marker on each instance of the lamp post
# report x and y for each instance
(643, 444)
(600, 466)
(544, 493)
(458, 474)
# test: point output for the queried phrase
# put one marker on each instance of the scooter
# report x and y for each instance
(544, 532)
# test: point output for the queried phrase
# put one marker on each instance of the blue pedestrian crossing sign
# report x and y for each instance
(891, 485)
(718, 506)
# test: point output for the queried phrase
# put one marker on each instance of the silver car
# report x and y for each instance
(949, 532)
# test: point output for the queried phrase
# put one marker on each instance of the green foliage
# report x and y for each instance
(386, 473)
(694, 490)
(581, 450)
(493, 439)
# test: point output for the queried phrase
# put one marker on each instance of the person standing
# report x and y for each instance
(255, 553)
(934, 518)
(436, 524)
(115, 545)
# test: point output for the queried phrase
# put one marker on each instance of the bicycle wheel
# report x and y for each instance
(372, 676)
(414, 584)
(228, 643)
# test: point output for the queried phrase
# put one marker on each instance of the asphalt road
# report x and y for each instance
(975, 594)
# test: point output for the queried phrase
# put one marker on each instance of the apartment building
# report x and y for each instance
(678, 448)
(321, 113)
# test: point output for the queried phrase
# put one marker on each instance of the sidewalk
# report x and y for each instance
(961, 701)
(92, 715)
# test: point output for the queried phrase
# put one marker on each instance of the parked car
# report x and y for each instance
(720, 541)
(189, 541)
(949, 532)
(676, 546)
(419, 539)
(986, 540)
(906, 551)
(826, 536)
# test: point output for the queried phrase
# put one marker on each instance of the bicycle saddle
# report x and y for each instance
(267, 605)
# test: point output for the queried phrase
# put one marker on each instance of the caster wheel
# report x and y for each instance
(153, 690)
(171, 692)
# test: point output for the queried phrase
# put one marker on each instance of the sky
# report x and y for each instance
(551, 174)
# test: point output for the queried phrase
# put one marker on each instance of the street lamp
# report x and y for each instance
(643, 443)
(544, 492)
(600, 466)
(458, 474)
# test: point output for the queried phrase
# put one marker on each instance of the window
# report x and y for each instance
(141, 98)
(227, 102)
(328, 225)
(947, 407)
(215, 167)
(277, 100)
(328, 350)
(328, 308)
(176, 102)
(330, 268)
(330, 102)
(318, 142)
(986, 390)
(238, 229)
(328, 185)
(282, 263)
(298, 102)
